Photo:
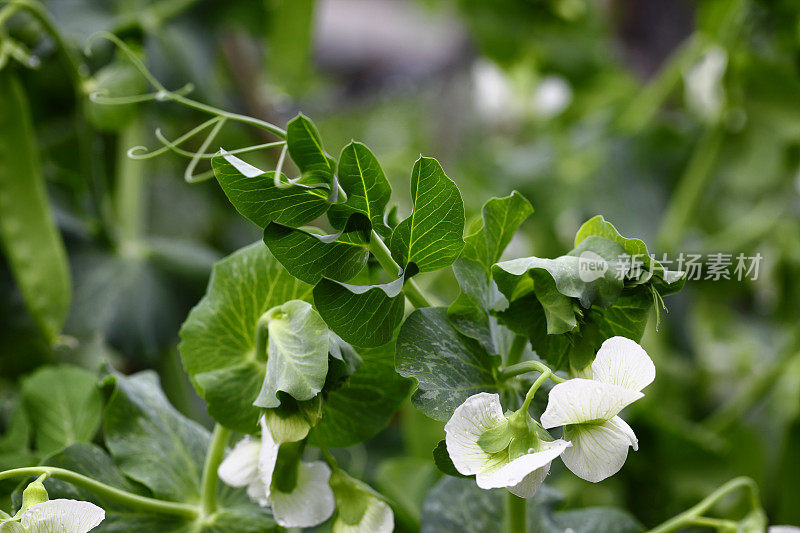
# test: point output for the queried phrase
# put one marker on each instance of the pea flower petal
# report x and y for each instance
(622, 362)
(584, 400)
(599, 450)
(240, 467)
(310, 503)
(478, 414)
(57, 516)
(525, 474)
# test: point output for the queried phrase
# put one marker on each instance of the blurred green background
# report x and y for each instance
(677, 121)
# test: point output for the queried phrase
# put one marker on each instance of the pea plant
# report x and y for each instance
(309, 342)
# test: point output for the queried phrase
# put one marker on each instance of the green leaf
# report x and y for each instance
(627, 318)
(311, 257)
(669, 281)
(570, 273)
(305, 148)
(368, 191)
(448, 366)
(361, 315)
(64, 406)
(500, 219)
(431, 237)
(218, 339)
(297, 354)
(150, 440)
(30, 240)
(256, 197)
(364, 405)
(470, 313)
(459, 505)
(441, 458)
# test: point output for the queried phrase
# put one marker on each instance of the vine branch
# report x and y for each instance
(123, 497)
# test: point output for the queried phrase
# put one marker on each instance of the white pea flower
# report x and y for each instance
(507, 459)
(56, 516)
(783, 529)
(588, 408)
(252, 463)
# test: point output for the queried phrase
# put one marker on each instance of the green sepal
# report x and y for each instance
(496, 439)
(284, 476)
(352, 497)
(34, 494)
(292, 420)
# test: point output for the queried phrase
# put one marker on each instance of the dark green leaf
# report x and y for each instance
(500, 218)
(305, 148)
(626, 318)
(218, 338)
(311, 257)
(64, 406)
(449, 366)
(470, 312)
(254, 195)
(431, 237)
(28, 235)
(368, 190)
(150, 440)
(361, 315)
(363, 406)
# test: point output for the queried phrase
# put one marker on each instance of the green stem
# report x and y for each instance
(516, 350)
(216, 450)
(528, 366)
(532, 391)
(690, 189)
(174, 96)
(515, 514)
(411, 290)
(129, 194)
(715, 523)
(122, 497)
(188, 102)
(690, 515)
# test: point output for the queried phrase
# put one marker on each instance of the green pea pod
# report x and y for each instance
(31, 242)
